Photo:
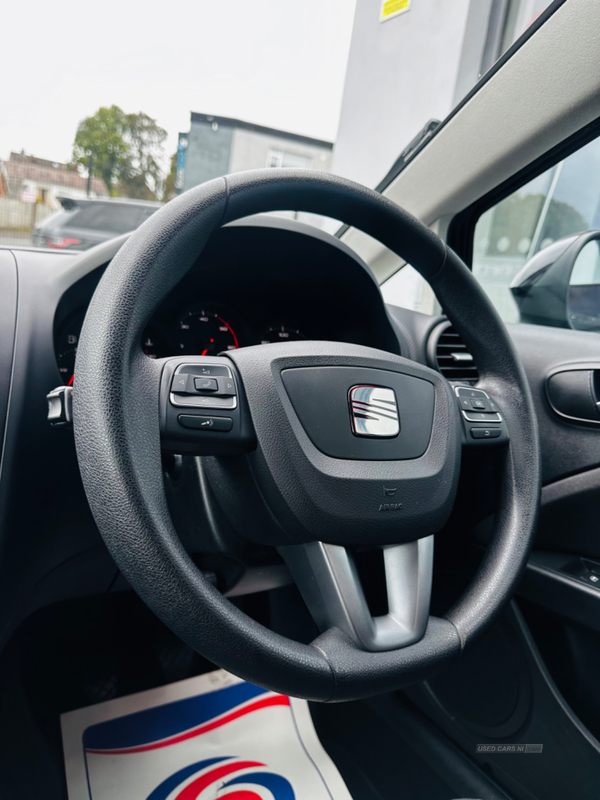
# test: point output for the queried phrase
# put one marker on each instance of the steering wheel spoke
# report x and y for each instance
(329, 582)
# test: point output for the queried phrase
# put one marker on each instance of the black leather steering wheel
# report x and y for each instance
(313, 491)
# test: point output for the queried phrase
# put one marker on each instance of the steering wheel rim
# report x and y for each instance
(116, 421)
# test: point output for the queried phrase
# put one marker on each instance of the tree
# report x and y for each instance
(145, 137)
(104, 137)
(562, 220)
(126, 149)
(169, 185)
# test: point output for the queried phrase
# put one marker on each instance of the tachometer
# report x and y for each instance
(281, 333)
(203, 332)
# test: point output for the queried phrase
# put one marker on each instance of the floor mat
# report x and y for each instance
(213, 736)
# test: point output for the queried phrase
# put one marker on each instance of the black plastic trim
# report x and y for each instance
(571, 754)
(8, 320)
(577, 367)
(548, 583)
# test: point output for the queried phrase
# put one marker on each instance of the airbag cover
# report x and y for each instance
(382, 492)
(320, 398)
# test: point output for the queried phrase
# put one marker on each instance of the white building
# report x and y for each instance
(37, 180)
(30, 188)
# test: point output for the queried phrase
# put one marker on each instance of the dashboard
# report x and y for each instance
(256, 283)
(256, 279)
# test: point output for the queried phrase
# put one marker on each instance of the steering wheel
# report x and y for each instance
(315, 448)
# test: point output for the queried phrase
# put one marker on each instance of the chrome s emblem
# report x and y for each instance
(373, 411)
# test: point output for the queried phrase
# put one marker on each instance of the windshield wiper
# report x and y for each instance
(409, 152)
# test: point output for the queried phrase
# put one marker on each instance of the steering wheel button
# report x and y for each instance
(211, 371)
(180, 383)
(467, 391)
(485, 433)
(226, 387)
(206, 384)
(198, 400)
(481, 416)
(217, 424)
(479, 404)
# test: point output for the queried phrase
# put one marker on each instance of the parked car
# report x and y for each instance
(83, 223)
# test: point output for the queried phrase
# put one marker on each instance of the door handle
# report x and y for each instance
(574, 393)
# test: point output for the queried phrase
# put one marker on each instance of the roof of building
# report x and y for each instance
(230, 122)
(21, 167)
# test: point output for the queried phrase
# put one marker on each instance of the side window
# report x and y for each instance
(526, 248)
(583, 299)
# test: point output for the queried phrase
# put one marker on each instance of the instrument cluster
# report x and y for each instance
(257, 282)
(202, 329)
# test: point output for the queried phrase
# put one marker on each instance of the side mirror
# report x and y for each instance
(560, 286)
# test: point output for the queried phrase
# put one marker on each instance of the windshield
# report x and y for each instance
(107, 113)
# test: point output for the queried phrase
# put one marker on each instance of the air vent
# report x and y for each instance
(452, 358)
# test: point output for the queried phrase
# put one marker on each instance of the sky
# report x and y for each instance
(279, 63)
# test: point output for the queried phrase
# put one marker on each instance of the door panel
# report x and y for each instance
(567, 447)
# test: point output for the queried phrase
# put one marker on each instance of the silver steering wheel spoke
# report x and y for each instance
(328, 580)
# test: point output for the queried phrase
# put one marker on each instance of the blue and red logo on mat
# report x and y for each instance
(182, 720)
(222, 771)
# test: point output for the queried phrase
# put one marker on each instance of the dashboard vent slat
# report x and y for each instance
(453, 359)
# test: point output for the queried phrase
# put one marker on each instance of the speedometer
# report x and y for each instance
(204, 332)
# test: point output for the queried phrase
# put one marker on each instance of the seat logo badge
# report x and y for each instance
(389, 491)
(374, 412)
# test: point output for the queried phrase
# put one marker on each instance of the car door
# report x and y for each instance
(537, 221)
(533, 244)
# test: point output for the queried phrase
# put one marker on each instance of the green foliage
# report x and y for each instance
(562, 220)
(145, 138)
(169, 185)
(103, 136)
(126, 151)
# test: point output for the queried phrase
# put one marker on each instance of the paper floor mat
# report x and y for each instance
(214, 736)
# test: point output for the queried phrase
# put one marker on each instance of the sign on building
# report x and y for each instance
(392, 8)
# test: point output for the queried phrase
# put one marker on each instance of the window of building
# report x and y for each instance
(282, 158)
(274, 158)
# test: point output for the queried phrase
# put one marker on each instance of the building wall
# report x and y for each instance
(401, 73)
(215, 149)
(251, 150)
(208, 153)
